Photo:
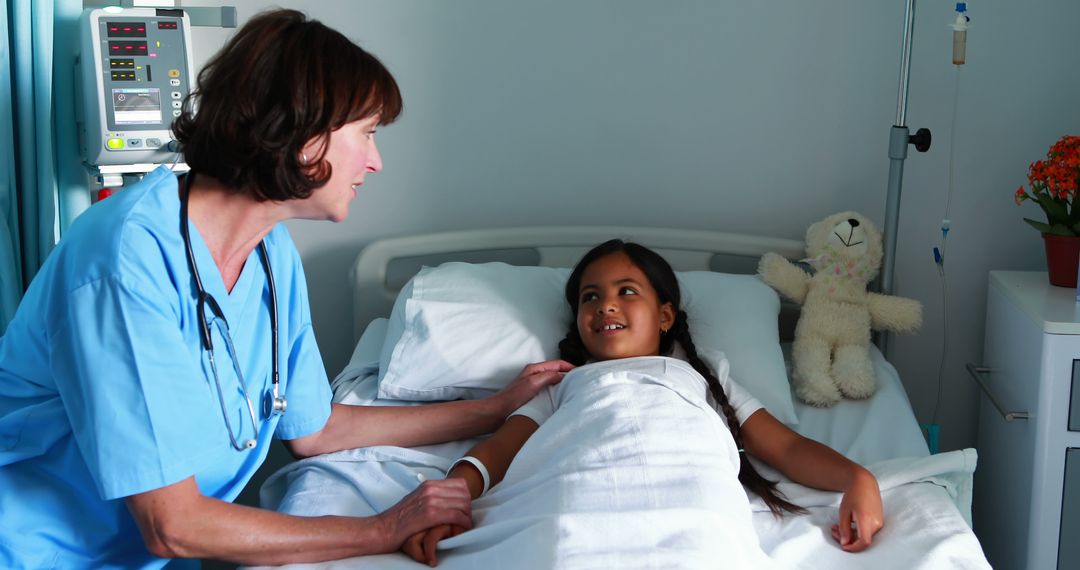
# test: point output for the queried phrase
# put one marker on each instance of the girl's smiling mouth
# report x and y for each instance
(609, 328)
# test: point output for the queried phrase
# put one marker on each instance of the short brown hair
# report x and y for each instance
(280, 82)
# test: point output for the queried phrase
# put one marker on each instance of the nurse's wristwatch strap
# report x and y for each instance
(479, 465)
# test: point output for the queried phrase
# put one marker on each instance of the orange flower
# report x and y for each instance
(1053, 184)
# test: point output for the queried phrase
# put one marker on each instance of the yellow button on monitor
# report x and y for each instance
(174, 73)
(114, 144)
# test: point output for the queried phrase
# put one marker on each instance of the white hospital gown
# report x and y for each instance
(543, 406)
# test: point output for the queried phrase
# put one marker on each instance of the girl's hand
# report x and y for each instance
(422, 545)
(860, 506)
(433, 503)
(532, 379)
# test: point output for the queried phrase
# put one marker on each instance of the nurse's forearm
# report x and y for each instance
(350, 427)
(178, 522)
(246, 535)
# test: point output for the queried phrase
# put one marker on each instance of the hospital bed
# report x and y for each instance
(512, 274)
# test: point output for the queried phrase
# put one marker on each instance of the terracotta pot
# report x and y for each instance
(1062, 259)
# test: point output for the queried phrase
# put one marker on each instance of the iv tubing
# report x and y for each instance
(944, 240)
(952, 151)
(944, 343)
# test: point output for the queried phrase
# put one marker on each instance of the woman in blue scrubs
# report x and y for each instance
(137, 379)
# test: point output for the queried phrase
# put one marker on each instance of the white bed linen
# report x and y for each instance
(924, 527)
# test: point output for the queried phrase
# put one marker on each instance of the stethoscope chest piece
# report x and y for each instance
(273, 405)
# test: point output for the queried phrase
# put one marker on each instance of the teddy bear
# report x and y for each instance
(831, 349)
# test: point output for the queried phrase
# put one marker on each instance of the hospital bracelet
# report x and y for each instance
(479, 467)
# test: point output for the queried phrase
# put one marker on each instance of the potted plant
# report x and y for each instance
(1052, 184)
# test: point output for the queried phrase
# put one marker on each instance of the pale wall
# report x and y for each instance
(739, 116)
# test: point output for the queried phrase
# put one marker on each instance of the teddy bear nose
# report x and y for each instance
(854, 223)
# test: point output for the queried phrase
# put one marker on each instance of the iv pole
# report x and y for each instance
(899, 139)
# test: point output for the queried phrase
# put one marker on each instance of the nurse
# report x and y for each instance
(168, 336)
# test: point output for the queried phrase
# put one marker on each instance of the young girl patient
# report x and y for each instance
(626, 303)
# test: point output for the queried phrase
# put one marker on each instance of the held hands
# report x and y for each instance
(529, 382)
(423, 538)
(421, 546)
(446, 502)
(860, 506)
(422, 543)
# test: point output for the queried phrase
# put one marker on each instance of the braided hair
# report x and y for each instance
(662, 278)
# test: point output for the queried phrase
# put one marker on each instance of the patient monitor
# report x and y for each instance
(132, 75)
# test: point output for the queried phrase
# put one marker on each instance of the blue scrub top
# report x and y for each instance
(106, 391)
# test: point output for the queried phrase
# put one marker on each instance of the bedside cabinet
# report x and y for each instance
(1026, 507)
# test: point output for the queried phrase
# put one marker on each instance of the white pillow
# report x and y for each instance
(465, 330)
(737, 314)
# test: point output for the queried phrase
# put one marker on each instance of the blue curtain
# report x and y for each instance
(38, 151)
(10, 265)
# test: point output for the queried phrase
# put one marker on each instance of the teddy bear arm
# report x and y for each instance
(894, 313)
(784, 276)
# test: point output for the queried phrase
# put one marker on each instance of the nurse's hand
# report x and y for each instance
(532, 379)
(432, 504)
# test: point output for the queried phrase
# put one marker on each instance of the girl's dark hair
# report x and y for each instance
(280, 82)
(662, 278)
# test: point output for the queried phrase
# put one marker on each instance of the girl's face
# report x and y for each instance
(619, 313)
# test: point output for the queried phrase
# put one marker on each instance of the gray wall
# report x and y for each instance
(757, 117)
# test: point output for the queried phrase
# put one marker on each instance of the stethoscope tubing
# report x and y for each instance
(273, 403)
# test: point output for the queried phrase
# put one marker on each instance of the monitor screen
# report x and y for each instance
(126, 29)
(137, 106)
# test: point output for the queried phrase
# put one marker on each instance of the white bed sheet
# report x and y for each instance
(880, 428)
(927, 498)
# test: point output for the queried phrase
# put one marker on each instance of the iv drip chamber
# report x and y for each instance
(959, 37)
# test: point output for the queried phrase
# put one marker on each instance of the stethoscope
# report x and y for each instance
(272, 403)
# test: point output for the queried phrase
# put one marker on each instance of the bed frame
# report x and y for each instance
(384, 266)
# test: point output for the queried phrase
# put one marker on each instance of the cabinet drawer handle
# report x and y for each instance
(976, 373)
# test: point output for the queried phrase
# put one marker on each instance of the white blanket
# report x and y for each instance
(924, 527)
(636, 471)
